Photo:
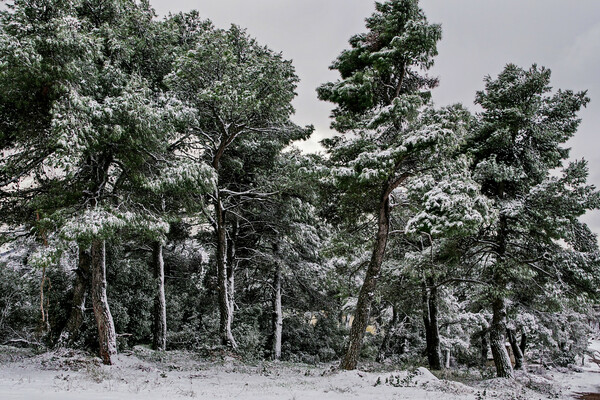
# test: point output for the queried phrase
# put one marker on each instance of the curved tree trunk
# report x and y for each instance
(367, 291)
(70, 332)
(514, 345)
(523, 344)
(497, 343)
(160, 307)
(107, 337)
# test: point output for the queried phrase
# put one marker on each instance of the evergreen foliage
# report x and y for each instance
(149, 164)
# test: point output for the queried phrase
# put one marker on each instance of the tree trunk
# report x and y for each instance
(70, 332)
(517, 353)
(367, 291)
(504, 368)
(231, 264)
(391, 329)
(277, 320)
(497, 343)
(225, 310)
(107, 337)
(523, 344)
(160, 307)
(432, 333)
(484, 348)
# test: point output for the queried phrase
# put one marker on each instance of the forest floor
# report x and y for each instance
(144, 374)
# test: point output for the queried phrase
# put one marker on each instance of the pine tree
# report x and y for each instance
(239, 94)
(516, 145)
(87, 123)
(379, 98)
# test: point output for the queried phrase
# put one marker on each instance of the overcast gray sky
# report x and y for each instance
(479, 38)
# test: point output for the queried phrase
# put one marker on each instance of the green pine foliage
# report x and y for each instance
(118, 126)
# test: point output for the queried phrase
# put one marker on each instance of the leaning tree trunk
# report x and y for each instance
(432, 333)
(523, 344)
(367, 291)
(70, 332)
(160, 307)
(497, 343)
(107, 337)
(514, 345)
(277, 318)
(225, 309)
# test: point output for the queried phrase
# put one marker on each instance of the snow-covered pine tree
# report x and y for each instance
(240, 94)
(537, 243)
(391, 139)
(380, 92)
(85, 124)
(442, 205)
(283, 237)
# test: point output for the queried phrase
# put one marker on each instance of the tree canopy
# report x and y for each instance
(148, 172)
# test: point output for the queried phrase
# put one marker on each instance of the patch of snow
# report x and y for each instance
(146, 374)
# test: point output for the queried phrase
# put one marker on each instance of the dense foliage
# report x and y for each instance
(150, 193)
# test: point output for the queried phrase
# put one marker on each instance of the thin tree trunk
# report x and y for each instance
(70, 332)
(225, 311)
(277, 320)
(231, 264)
(436, 360)
(497, 343)
(432, 333)
(484, 348)
(160, 307)
(385, 344)
(367, 291)
(504, 367)
(523, 345)
(107, 337)
(44, 303)
(517, 353)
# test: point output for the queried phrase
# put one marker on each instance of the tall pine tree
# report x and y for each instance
(381, 90)
(517, 146)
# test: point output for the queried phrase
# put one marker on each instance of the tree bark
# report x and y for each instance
(160, 307)
(225, 310)
(367, 291)
(523, 344)
(432, 333)
(504, 368)
(514, 345)
(70, 332)
(107, 337)
(385, 343)
(231, 264)
(277, 320)
(484, 348)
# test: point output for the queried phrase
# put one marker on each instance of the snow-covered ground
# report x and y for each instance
(143, 374)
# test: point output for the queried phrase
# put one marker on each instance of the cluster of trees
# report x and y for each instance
(150, 146)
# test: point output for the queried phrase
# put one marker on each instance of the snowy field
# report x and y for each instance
(143, 374)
